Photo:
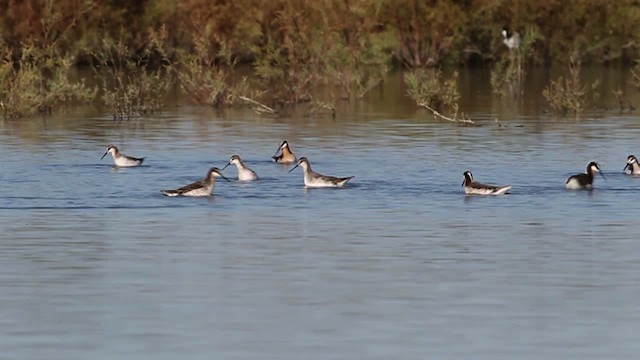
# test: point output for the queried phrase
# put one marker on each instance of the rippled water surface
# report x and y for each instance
(97, 264)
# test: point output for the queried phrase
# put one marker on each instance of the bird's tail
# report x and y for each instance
(169, 192)
(343, 181)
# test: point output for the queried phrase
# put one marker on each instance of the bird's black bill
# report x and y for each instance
(105, 154)
(225, 166)
(219, 172)
(293, 168)
(276, 154)
(628, 166)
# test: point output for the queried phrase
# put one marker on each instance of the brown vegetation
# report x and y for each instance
(293, 46)
(416, 33)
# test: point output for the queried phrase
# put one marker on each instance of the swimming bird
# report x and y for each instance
(632, 165)
(199, 188)
(475, 188)
(286, 156)
(313, 179)
(511, 39)
(244, 173)
(120, 159)
(584, 180)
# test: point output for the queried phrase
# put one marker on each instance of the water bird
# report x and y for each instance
(313, 179)
(120, 159)
(286, 156)
(199, 188)
(244, 173)
(511, 39)
(475, 188)
(632, 165)
(584, 180)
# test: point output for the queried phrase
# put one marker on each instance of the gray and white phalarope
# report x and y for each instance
(632, 165)
(286, 156)
(584, 180)
(313, 179)
(199, 188)
(475, 188)
(120, 159)
(244, 173)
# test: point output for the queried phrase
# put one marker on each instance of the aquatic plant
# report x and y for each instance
(308, 45)
(623, 103)
(568, 95)
(428, 87)
(205, 76)
(355, 69)
(297, 47)
(635, 73)
(130, 87)
(37, 82)
(431, 91)
(34, 78)
(290, 58)
(355, 60)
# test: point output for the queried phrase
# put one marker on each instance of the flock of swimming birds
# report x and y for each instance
(204, 187)
(284, 155)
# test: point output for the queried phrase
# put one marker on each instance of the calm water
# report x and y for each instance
(97, 264)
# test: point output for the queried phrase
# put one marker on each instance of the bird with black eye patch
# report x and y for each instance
(475, 188)
(632, 165)
(120, 159)
(244, 173)
(584, 180)
(313, 179)
(511, 39)
(199, 188)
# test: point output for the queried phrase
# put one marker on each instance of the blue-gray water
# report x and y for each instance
(97, 264)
